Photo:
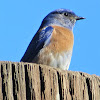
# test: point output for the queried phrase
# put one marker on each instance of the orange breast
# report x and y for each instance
(62, 39)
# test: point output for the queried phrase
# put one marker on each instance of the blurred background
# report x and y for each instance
(20, 20)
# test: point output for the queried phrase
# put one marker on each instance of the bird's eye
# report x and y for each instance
(66, 14)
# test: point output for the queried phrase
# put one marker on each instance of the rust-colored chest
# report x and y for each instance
(62, 39)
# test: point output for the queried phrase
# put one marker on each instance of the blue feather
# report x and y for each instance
(44, 36)
(41, 39)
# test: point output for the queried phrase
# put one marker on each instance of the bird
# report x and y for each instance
(52, 44)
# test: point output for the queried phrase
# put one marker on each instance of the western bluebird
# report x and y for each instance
(53, 43)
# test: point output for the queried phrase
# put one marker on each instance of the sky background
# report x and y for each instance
(20, 19)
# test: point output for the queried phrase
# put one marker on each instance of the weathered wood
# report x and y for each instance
(27, 81)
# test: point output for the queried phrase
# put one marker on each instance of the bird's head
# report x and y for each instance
(62, 17)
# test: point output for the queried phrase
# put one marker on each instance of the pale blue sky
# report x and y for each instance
(20, 19)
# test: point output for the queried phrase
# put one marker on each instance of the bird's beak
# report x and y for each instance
(79, 18)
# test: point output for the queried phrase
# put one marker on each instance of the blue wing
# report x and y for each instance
(41, 39)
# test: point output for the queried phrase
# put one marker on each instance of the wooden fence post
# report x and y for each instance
(28, 81)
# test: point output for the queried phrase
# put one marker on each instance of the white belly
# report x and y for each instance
(61, 60)
(58, 60)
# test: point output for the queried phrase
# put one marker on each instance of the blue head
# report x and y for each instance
(61, 17)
